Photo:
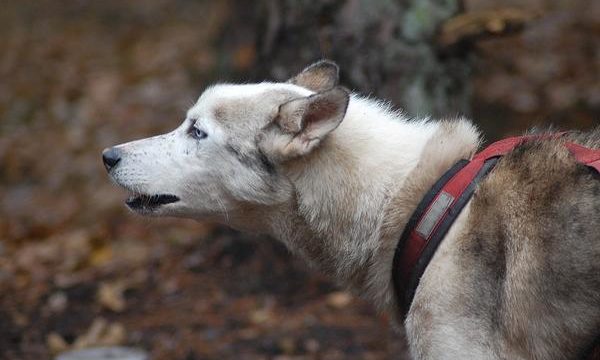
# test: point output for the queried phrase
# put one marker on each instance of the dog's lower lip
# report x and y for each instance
(150, 201)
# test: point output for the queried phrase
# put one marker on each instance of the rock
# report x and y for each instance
(105, 353)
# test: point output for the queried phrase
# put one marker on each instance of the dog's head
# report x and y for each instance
(229, 151)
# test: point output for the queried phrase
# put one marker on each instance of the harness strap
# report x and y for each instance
(585, 156)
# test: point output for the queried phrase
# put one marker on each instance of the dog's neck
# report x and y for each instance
(354, 194)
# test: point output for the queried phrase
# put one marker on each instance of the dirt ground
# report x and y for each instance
(77, 269)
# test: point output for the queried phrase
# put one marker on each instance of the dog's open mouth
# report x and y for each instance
(149, 202)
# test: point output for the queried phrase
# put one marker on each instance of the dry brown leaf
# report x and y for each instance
(110, 296)
(339, 299)
(260, 316)
(101, 255)
(101, 333)
(56, 343)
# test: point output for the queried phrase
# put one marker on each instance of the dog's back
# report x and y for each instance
(528, 261)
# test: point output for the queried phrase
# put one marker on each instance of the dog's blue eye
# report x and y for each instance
(198, 134)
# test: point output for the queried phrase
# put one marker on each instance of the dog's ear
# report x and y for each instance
(304, 122)
(320, 76)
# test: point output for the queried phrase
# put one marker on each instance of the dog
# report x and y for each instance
(335, 176)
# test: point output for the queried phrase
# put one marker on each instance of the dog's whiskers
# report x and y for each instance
(222, 206)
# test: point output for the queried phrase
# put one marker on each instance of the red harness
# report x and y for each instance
(436, 213)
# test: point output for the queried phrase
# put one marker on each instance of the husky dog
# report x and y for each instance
(335, 176)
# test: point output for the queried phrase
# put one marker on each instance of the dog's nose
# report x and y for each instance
(111, 158)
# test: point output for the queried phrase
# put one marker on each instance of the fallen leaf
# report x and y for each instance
(56, 343)
(339, 299)
(260, 316)
(101, 333)
(110, 296)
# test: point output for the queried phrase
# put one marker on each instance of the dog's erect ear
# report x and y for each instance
(320, 76)
(306, 121)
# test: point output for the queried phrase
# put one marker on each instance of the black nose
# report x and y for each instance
(111, 158)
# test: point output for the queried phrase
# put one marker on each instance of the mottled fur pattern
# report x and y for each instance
(521, 272)
(335, 176)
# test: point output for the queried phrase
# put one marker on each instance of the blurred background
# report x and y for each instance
(78, 270)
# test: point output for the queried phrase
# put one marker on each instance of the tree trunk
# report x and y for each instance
(385, 48)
